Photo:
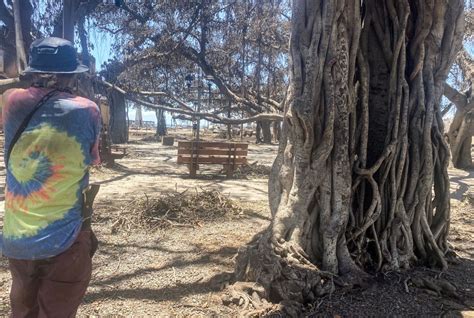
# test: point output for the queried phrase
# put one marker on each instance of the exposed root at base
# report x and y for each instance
(436, 287)
(275, 279)
(249, 298)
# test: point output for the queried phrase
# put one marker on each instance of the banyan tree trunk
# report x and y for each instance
(360, 181)
(264, 132)
(118, 118)
(160, 123)
(460, 135)
(276, 131)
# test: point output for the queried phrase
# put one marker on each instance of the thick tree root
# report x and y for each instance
(437, 287)
(282, 270)
(277, 278)
(249, 298)
(360, 181)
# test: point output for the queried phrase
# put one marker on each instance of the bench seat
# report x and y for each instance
(228, 154)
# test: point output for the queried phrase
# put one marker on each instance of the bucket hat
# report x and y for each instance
(54, 55)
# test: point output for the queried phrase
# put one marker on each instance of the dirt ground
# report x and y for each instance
(180, 271)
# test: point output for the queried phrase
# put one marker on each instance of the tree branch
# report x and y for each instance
(455, 97)
(446, 110)
(194, 56)
(134, 14)
(151, 93)
(208, 116)
(6, 84)
(466, 63)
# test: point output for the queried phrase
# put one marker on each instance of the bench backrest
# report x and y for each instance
(226, 153)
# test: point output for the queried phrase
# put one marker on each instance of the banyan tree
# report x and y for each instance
(360, 181)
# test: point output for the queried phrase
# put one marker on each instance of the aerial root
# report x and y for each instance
(436, 287)
(451, 256)
(293, 253)
(353, 279)
(248, 296)
(285, 279)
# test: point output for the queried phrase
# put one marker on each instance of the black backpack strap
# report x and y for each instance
(25, 123)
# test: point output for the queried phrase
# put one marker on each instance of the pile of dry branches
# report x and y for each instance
(181, 209)
(254, 170)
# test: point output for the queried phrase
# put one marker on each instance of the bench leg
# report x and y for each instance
(192, 170)
(229, 171)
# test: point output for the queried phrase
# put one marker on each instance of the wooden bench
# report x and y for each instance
(228, 154)
(118, 152)
(109, 153)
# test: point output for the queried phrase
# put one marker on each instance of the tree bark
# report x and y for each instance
(461, 130)
(276, 131)
(459, 136)
(68, 20)
(360, 180)
(264, 132)
(86, 60)
(20, 44)
(118, 118)
(138, 116)
(160, 123)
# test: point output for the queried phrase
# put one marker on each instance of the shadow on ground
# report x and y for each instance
(389, 297)
(105, 287)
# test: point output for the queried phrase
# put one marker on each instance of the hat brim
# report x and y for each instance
(79, 69)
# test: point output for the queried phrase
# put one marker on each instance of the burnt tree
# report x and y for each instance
(15, 37)
(461, 130)
(264, 132)
(360, 181)
(118, 118)
(160, 123)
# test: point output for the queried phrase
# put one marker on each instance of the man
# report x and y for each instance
(46, 232)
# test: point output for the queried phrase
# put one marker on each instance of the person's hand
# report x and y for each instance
(94, 243)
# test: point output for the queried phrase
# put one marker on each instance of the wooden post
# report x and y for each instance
(230, 161)
(194, 160)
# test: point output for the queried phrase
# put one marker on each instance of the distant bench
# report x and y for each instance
(228, 154)
(110, 153)
(118, 152)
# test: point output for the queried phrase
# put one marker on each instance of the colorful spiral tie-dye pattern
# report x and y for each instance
(47, 171)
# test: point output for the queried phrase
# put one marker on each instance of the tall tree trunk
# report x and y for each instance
(68, 20)
(461, 130)
(264, 132)
(85, 57)
(19, 43)
(138, 116)
(160, 123)
(118, 118)
(360, 180)
(460, 135)
(276, 131)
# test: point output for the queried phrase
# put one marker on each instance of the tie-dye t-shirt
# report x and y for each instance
(47, 171)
